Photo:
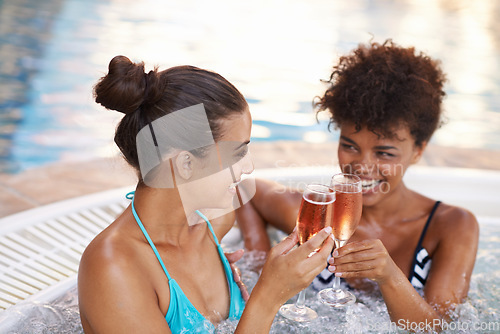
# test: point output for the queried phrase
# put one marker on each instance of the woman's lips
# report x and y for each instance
(369, 185)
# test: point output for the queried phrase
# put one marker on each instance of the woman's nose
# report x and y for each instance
(247, 166)
(364, 165)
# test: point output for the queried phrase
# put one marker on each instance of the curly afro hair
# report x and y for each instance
(384, 86)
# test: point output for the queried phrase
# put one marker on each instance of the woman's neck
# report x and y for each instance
(163, 215)
(391, 208)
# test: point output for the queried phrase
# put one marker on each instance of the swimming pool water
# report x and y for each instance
(53, 51)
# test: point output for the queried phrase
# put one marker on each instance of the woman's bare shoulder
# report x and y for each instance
(453, 221)
(447, 217)
(115, 286)
(111, 251)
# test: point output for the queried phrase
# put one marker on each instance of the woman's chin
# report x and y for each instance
(371, 197)
(370, 200)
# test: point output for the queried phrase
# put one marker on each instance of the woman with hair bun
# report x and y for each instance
(387, 101)
(159, 267)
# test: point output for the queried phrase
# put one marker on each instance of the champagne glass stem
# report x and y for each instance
(301, 299)
(336, 281)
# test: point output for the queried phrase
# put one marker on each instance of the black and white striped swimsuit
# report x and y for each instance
(420, 267)
(421, 260)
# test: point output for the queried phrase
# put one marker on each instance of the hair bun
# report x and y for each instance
(122, 89)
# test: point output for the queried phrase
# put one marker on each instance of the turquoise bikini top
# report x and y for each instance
(182, 316)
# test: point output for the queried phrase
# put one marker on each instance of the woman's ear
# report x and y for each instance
(184, 164)
(418, 151)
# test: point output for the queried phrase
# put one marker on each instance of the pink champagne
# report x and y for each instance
(314, 213)
(347, 213)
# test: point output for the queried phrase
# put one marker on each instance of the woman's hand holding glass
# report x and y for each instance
(292, 270)
(288, 271)
(363, 259)
(315, 213)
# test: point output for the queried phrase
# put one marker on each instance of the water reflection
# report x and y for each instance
(275, 52)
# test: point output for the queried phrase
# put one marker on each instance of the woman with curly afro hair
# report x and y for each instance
(386, 100)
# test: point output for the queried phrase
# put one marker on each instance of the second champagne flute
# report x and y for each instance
(315, 213)
(346, 217)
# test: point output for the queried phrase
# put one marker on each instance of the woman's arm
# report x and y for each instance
(448, 280)
(285, 273)
(453, 261)
(370, 259)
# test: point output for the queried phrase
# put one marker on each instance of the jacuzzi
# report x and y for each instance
(42, 247)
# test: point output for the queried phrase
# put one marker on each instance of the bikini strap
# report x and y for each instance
(130, 195)
(424, 231)
(227, 265)
(427, 223)
(143, 229)
(219, 247)
(209, 227)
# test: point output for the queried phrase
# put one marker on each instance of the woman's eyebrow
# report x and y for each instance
(378, 147)
(386, 147)
(242, 144)
(348, 140)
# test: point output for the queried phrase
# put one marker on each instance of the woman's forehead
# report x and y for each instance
(237, 128)
(397, 134)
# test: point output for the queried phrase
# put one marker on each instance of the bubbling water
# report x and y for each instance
(480, 313)
(368, 315)
(59, 316)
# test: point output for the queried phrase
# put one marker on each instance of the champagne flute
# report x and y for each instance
(346, 216)
(314, 214)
